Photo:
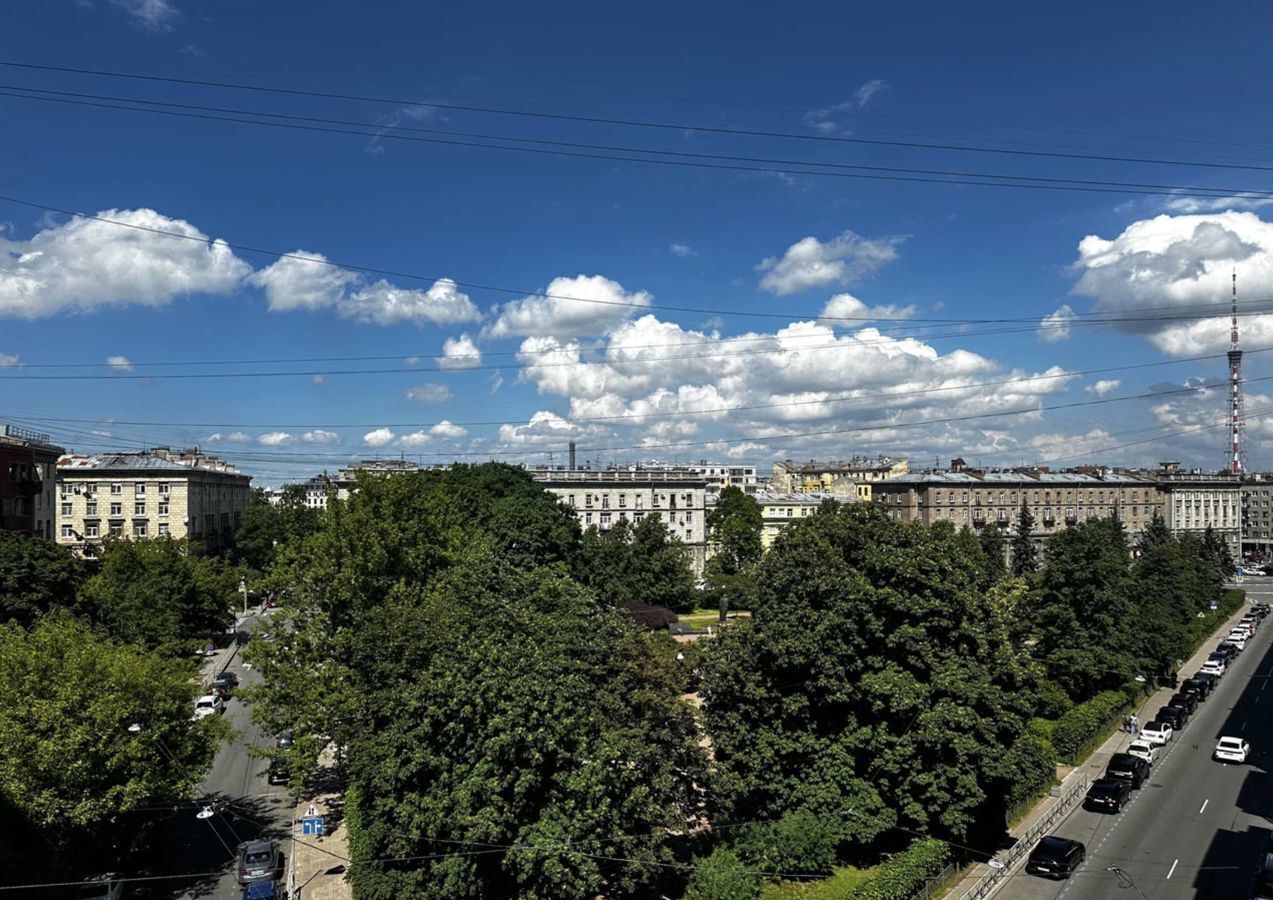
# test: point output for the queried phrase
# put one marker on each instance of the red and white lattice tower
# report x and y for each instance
(1236, 422)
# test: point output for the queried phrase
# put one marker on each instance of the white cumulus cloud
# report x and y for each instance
(684, 251)
(810, 263)
(10, 361)
(237, 437)
(275, 438)
(460, 353)
(1055, 326)
(570, 307)
(318, 436)
(1103, 387)
(119, 364)
(845, 306)
(448, 430)
(83, 264)
(378, 438)
(428, 393)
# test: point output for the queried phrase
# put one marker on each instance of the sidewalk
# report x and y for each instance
(979, 881)
(321, 862)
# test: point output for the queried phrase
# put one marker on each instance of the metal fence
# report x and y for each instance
(937, 882)
(989, 883)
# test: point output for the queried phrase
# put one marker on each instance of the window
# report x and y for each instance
(139, 529)
(139, 508)
(90, 530)
(605, 501)
(66, 509)
(163, 488)
(90, 489)
(640, 501)
(67, 533)
(587, 500)
(587, 518)
(163, 507)
(117, 488)
(623, 501)
(139, 489)
(163, 529)
(116, 529)
(689, 534)
(90, 508)
(571, 500)
(117, 509)
(605, 518)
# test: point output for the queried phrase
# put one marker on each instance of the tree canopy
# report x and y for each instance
(36, 577)
(875, 685)
(1025, 555)
(735, 525)
(634, 564)
(266, 527)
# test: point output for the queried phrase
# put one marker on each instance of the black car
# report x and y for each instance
(1230, 650)
(1199, 685)
(284, 740)
(1107, 795)
(1125, 767)
(1185, 700)
(225, 683)
(1056, 857)
(278, 772)
(1173, 716)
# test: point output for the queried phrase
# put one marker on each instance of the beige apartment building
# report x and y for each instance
(605, 497)
(151, 493)
(852, 478)
(993, 499)
(1194, 501)
(778, 510)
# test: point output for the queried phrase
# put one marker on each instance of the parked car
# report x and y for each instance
(1107, 795)
(259, 861)
(207, 705)
(278, 772)
(1231, 749)
(264, 890)
(1143, 749)
(1200, 687)
(1129, 768)
(1172, 715)
(1237, 639)
(1055, 857)
(1185, 700)
(1157, 733)
(106, 886)
(1215, 665)
(1228, 650)
(284, 739)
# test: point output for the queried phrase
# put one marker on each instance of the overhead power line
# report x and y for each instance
(630, 123)
(669, 157)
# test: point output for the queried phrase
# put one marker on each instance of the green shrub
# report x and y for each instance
(1079, 727)
(1053, 701)
(906, 874)
(798, 842)
(722, 876)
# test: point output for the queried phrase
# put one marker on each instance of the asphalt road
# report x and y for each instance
(186, 844)
(1198, 828)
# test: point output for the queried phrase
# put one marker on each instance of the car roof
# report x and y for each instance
(1053, 842)
(209, 697)
(1230, 740)
(258, 846)
(1123, 757)
(1155, 725)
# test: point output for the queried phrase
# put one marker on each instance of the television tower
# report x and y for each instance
(1236, 422)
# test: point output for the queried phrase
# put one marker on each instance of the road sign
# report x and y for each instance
(311, 811)
(313, 825)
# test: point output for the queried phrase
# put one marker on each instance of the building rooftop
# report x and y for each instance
(159, 459)
(812, 498)
(1010, 477)
(618, 475)
(14, 435)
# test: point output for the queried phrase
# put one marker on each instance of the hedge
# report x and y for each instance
(906, 874)
(1083, 724)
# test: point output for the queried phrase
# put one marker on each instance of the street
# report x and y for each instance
(1198, 828)
(186, 844)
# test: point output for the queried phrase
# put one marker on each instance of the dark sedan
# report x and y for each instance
(1125, 767)
(1200, 685)
(1185, 700)
(1056, 857)
(1107, 795)
(1173, 715)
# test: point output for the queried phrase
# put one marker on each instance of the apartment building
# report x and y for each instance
(1194, 501)
(778, 510)
(993, 499)
(605, 497)
(28, 483)
(1257, 516)
(854, 477)
(720, 476)
(151, 493)
(320, 489)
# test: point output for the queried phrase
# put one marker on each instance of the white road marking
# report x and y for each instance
(1173, 868)
(1204, 805)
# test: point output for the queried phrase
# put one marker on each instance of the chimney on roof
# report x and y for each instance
(572, 456)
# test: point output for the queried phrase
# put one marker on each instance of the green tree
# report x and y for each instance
(1217, 551)
(637, 564)
(1025, 556)
(156, 592)
(68, 763)
(36, 577)
(874, 686)
(735, 525)
(266, 527)
(995, 550)
(477, 696)
(723, 876)
(1155, 533)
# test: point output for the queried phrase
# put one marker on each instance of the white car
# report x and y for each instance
(1237, 639)
(1213, 667)
(1242, 628)
(1156, 733)
(1144, 749)
(1231, 749)
(101, 887)
(208, 705)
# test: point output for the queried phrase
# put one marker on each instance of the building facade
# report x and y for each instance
(605, 497)
(151, 493)
(28, 489)
(1194, 501)
(778, 510)
(993, 499)
(720, 476)
(321, 489)
(852, 478)
(1257, 516)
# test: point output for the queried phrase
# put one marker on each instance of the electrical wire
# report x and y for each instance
(394, 132)
(631, 123)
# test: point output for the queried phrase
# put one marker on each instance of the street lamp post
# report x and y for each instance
(243, 586)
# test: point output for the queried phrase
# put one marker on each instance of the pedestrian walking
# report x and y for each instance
(1135, 725)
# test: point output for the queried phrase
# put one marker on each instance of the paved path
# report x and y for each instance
(1199, 827)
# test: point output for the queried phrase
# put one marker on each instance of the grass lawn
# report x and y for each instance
(838, 884)
(701, 618)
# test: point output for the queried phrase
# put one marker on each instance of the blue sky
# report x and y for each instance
(751, 373)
